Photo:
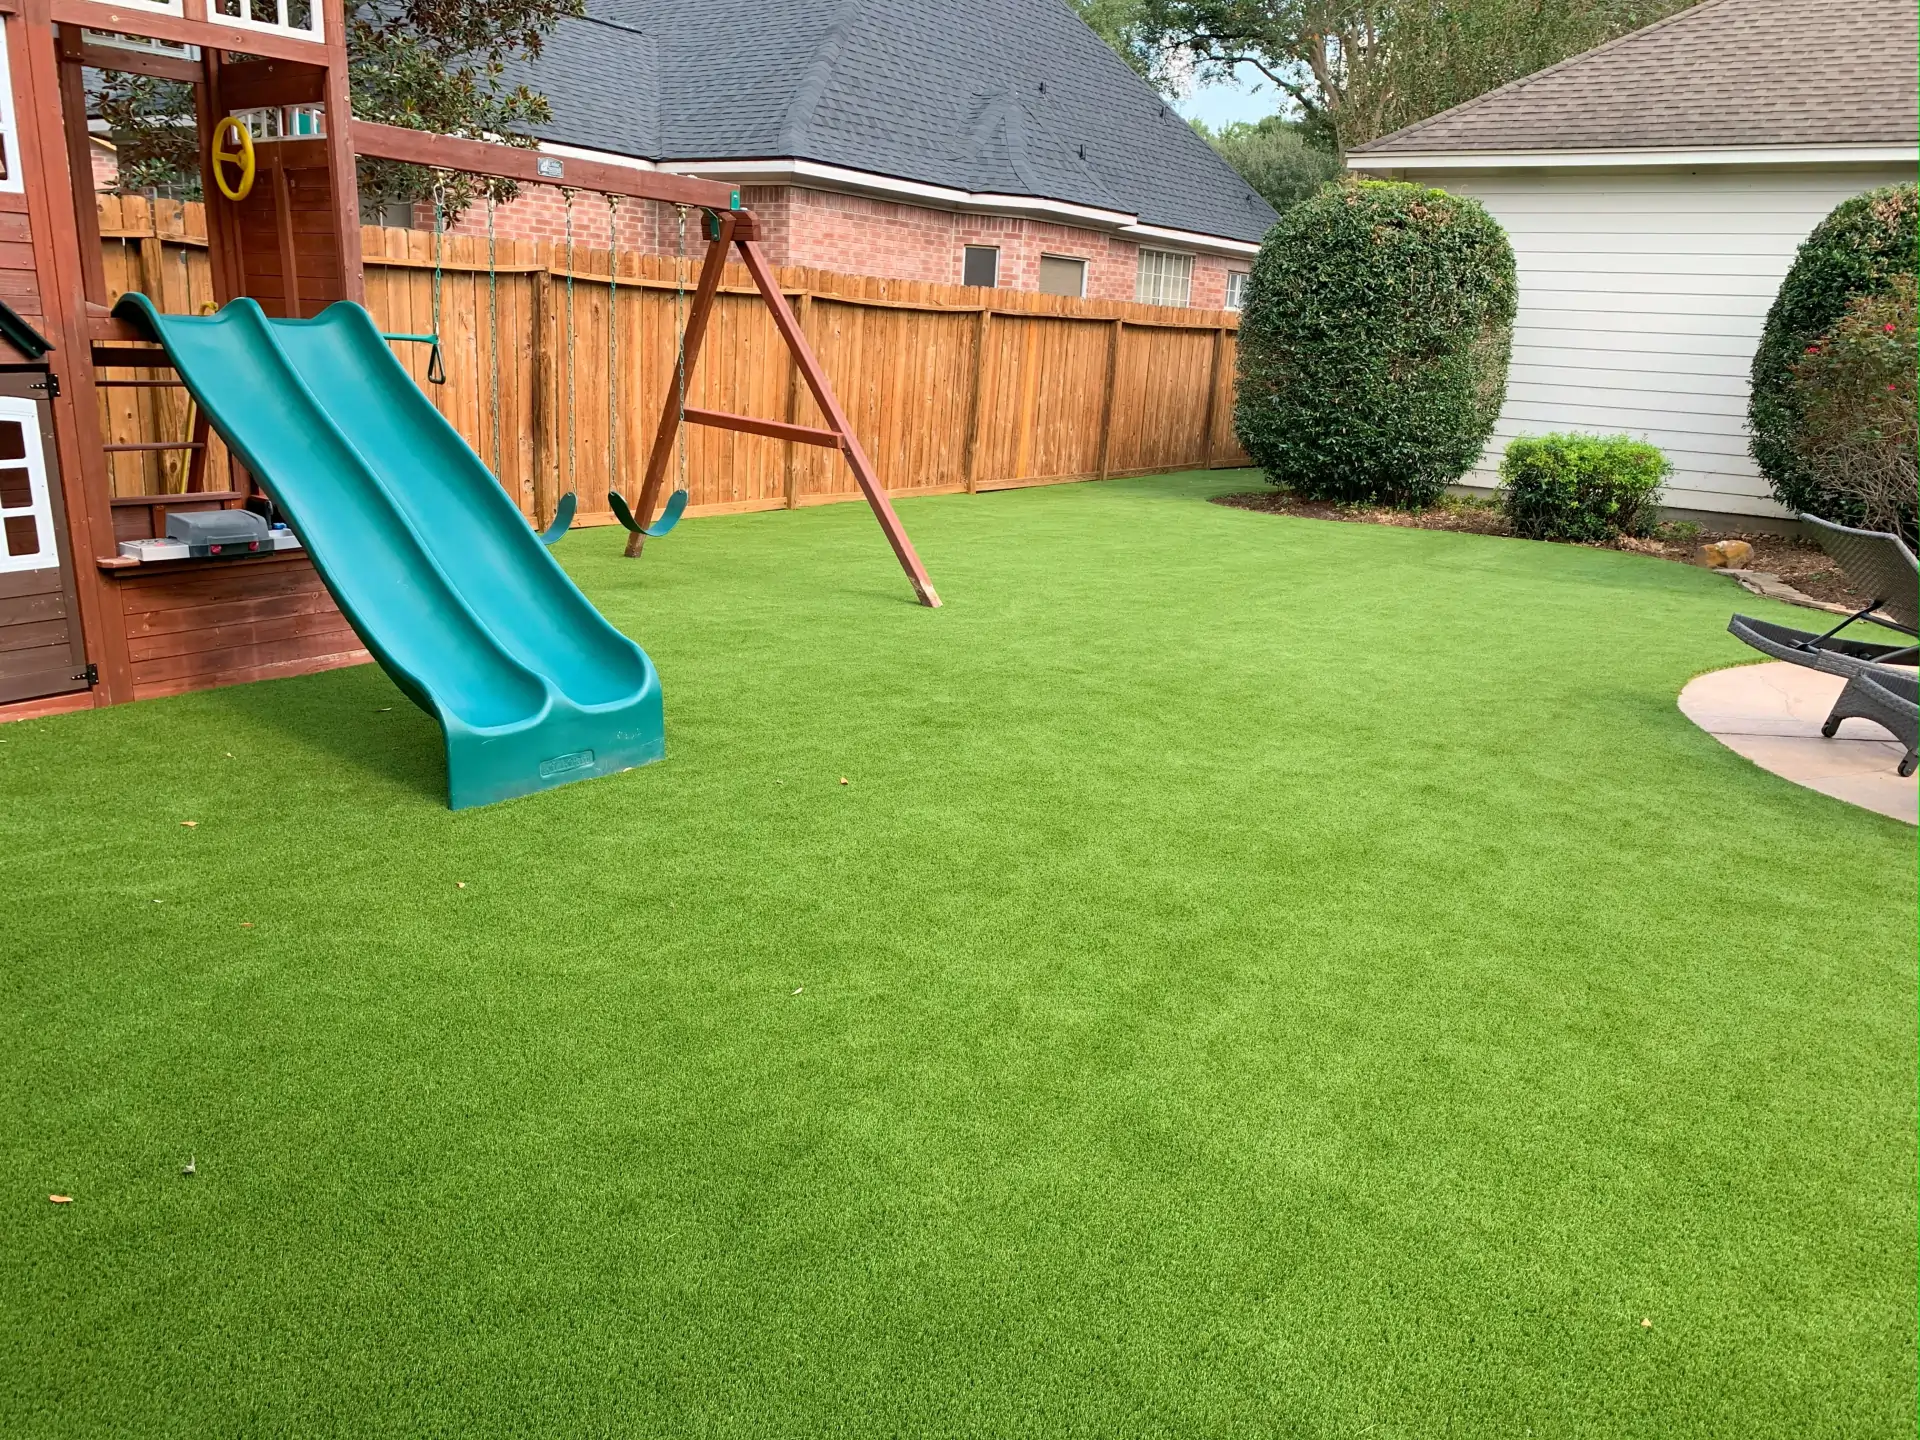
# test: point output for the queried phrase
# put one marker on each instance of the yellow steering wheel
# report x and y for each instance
(232, 126)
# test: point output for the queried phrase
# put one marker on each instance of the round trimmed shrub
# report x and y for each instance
(1856, 251)
(1373, 346)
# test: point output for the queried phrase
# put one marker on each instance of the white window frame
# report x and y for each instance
(1236, 295)
(15, 182)
(282, 26)
(1079, 260)
(993, 250)
(1158, 274)
(284, 122)
(39, 500)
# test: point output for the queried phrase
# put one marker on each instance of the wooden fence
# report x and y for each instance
(949, 388)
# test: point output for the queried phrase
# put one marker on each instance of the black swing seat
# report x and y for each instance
(1880, 678)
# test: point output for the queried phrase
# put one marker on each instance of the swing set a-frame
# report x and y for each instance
(728, 229)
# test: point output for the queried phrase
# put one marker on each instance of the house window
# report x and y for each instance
(1236, 289)
(1063, 275)
(980, 265)
(1165, 278)
(10, 176)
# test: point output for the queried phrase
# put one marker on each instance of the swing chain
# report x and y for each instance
(436, 365)
(613, 341)
(493, 314)
(567, 195)
(680, 358)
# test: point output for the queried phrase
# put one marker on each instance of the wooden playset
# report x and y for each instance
(84, 622)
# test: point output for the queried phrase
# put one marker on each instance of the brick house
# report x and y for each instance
(1000, 144)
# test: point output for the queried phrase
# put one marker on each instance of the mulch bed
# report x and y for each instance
(1799, 563)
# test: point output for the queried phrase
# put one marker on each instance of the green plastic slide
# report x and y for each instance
(429, 560)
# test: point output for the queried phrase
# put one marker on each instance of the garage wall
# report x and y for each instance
(1642, 296)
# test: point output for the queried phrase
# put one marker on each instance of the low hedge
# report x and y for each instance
(1857, 251)
(1581, 487)
(1373, 346)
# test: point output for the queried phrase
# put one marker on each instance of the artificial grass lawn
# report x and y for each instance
(1264, 977)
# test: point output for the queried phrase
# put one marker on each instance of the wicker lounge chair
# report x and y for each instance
(1878, 688)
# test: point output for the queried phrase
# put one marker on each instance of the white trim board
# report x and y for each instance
(1635, 159)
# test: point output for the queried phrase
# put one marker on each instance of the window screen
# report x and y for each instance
(1062, 275)
(1236, 289)
(1165, 278)
(980, 265)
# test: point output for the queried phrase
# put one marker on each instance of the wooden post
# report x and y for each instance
(342, 171)
(73, 111)
(53, 191)
(283, 232)
(976, 401)
(823, 396)
(1106, 399)
(711, 271)
(1213, 397)
(793, 407)
(223, 226)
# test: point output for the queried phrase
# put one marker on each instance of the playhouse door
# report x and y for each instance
(41, 648)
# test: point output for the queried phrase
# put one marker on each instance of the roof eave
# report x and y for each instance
(1641, 156)
(815, 174)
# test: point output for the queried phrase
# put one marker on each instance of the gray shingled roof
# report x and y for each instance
(1738, 73)
(997, 96)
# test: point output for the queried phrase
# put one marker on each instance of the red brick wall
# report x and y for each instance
(852, 234)
(539, 212)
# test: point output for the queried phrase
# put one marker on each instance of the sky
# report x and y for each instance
(1250, 97)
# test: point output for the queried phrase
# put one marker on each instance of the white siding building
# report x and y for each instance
(1655, 191)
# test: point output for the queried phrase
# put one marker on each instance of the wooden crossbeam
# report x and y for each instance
(772, 429)
(532, 167)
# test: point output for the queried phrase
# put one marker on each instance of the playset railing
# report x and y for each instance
(950, 388)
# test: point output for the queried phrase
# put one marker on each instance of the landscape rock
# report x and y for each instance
(1725, 555)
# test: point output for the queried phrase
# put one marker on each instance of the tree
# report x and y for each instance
(1118, 22)
(426, 64)
(1277, 157)
(1360, 69)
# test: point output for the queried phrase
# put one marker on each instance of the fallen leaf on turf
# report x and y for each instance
(843, 779)
(459, 884)
(61, 1199)
(1646, 1324)
(229, 754)
(190, 824)
(797, 991)
(383, 710)
(246, 924)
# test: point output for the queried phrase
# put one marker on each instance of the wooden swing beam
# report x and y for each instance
(735, 228)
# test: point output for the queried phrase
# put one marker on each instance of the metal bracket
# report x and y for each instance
(51, 385)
